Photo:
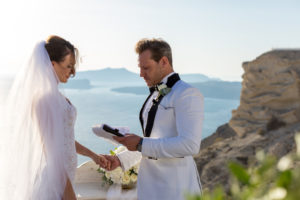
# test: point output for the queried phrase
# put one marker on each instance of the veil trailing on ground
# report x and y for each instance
(32, 136)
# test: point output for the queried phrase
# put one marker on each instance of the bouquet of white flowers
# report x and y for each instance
(127, 178)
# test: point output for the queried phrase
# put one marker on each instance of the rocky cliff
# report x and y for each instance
(267, 118)
(270, 95)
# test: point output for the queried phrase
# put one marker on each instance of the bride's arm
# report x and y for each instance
(69, 193)
(98, 159)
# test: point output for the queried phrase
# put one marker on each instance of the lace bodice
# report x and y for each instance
(69, 140)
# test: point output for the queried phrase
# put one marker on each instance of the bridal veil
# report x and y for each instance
(32, 133)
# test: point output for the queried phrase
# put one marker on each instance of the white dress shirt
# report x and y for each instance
(150, 101)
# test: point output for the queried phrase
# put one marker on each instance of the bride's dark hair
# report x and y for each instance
(58, 48)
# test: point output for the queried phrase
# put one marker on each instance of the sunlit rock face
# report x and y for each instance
(270, 96)
(267, 118)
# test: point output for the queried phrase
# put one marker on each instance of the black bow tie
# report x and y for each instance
(154, 88)
(170, 82)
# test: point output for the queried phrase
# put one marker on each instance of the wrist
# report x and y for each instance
(139, 145)
(118, 160)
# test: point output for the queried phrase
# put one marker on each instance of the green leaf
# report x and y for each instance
(239, 172)
(269, 163)
(284, 179)
(218, 194)
(112, 152)
(101, 171)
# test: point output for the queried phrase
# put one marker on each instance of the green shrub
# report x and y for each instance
(267, 179)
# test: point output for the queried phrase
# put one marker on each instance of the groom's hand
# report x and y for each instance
(129, 140)
(114, 162)
(101, 161)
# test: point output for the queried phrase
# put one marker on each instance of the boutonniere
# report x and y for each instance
(163, 90)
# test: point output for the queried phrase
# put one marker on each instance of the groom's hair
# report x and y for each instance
(158, 48)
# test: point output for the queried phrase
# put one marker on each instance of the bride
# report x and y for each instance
(38, 150)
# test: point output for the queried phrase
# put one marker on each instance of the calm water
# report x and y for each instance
(101, 105)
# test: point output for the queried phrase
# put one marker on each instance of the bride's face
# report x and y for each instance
(63, 69)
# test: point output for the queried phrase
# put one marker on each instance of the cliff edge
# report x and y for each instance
(267, 118)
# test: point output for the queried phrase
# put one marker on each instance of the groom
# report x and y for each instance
(171, 119)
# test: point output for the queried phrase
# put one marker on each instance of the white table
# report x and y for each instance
(88, 185)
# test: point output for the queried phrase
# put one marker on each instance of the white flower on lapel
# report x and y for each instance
(163, 89)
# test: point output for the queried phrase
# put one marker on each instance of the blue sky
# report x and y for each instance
(208, 37)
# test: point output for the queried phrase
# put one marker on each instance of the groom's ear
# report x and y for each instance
(164, 61)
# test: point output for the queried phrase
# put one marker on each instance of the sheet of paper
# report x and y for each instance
(98, 130)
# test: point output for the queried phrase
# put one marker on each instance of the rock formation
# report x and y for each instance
(270, 95)
(267, 118)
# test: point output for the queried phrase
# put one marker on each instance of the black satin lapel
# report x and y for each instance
(141, 112)
(152, 112)
(151, 117)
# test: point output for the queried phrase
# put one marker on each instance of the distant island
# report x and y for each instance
(110, 75)
(211, 89)
(78, 84)
(132, 83)
(125, 76)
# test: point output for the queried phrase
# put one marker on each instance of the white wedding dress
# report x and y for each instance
(69, 141)
(68, 153)
(38, 152)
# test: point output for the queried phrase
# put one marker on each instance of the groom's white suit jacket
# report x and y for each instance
(175, 138)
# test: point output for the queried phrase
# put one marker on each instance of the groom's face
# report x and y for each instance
(150, 70)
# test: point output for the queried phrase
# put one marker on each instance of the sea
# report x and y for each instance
(100, 104)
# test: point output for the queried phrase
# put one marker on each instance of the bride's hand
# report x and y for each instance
(102, 161)
(114, 162)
